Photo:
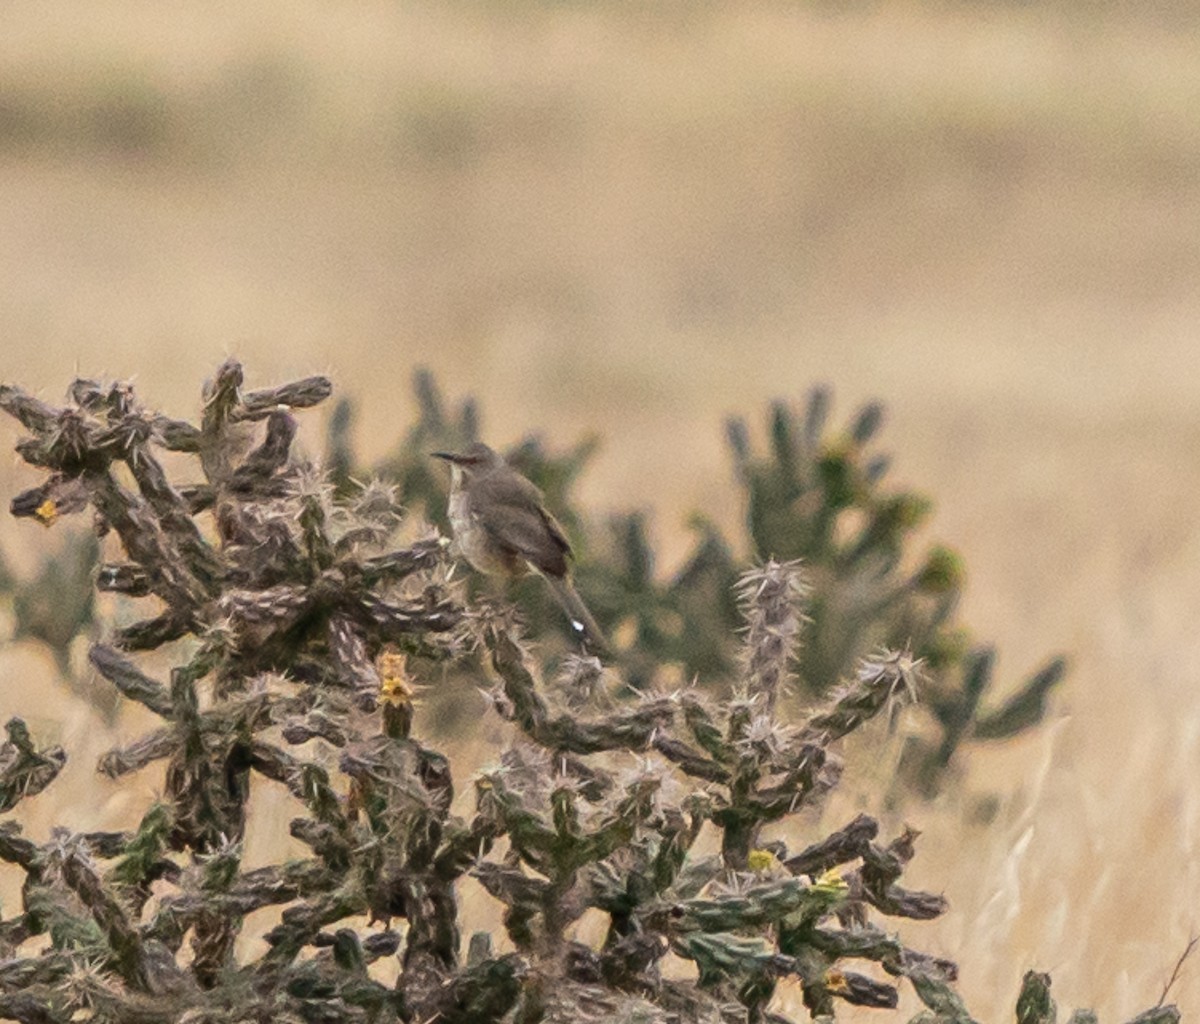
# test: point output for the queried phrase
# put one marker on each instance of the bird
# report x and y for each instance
(503, 528)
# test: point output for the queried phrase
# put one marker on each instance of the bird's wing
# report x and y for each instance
(515, 518)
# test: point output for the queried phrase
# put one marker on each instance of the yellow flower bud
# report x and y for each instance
(835, 981)
(393, 682)
(761, 860)
(832, 881)
(47, 512)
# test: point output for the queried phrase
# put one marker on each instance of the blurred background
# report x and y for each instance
(632, 220)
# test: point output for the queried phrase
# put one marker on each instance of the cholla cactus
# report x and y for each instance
(619, 836)
(299, 642)
(55, 607)
(814, 493)
(283, 601)
(800, 496)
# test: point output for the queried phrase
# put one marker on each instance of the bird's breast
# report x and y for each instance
(478, 546)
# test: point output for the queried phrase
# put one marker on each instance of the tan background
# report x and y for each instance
(600, 217)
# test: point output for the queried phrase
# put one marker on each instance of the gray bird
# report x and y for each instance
(502, 527)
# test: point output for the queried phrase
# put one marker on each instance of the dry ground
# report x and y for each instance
(599, 217)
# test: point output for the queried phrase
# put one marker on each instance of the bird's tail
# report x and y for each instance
(582, 623)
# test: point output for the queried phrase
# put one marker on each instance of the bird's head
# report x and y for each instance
(474, 459)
